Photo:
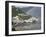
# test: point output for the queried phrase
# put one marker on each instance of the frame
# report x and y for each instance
(14, 29)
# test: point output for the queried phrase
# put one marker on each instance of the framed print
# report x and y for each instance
(24, 18)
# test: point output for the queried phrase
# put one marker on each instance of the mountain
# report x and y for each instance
(25, 9)
(34, 11)
(16, 11)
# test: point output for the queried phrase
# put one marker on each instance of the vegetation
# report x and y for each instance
(16, 11)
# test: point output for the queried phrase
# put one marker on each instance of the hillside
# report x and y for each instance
(16, 11)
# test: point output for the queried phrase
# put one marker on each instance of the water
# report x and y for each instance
(28, 26)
